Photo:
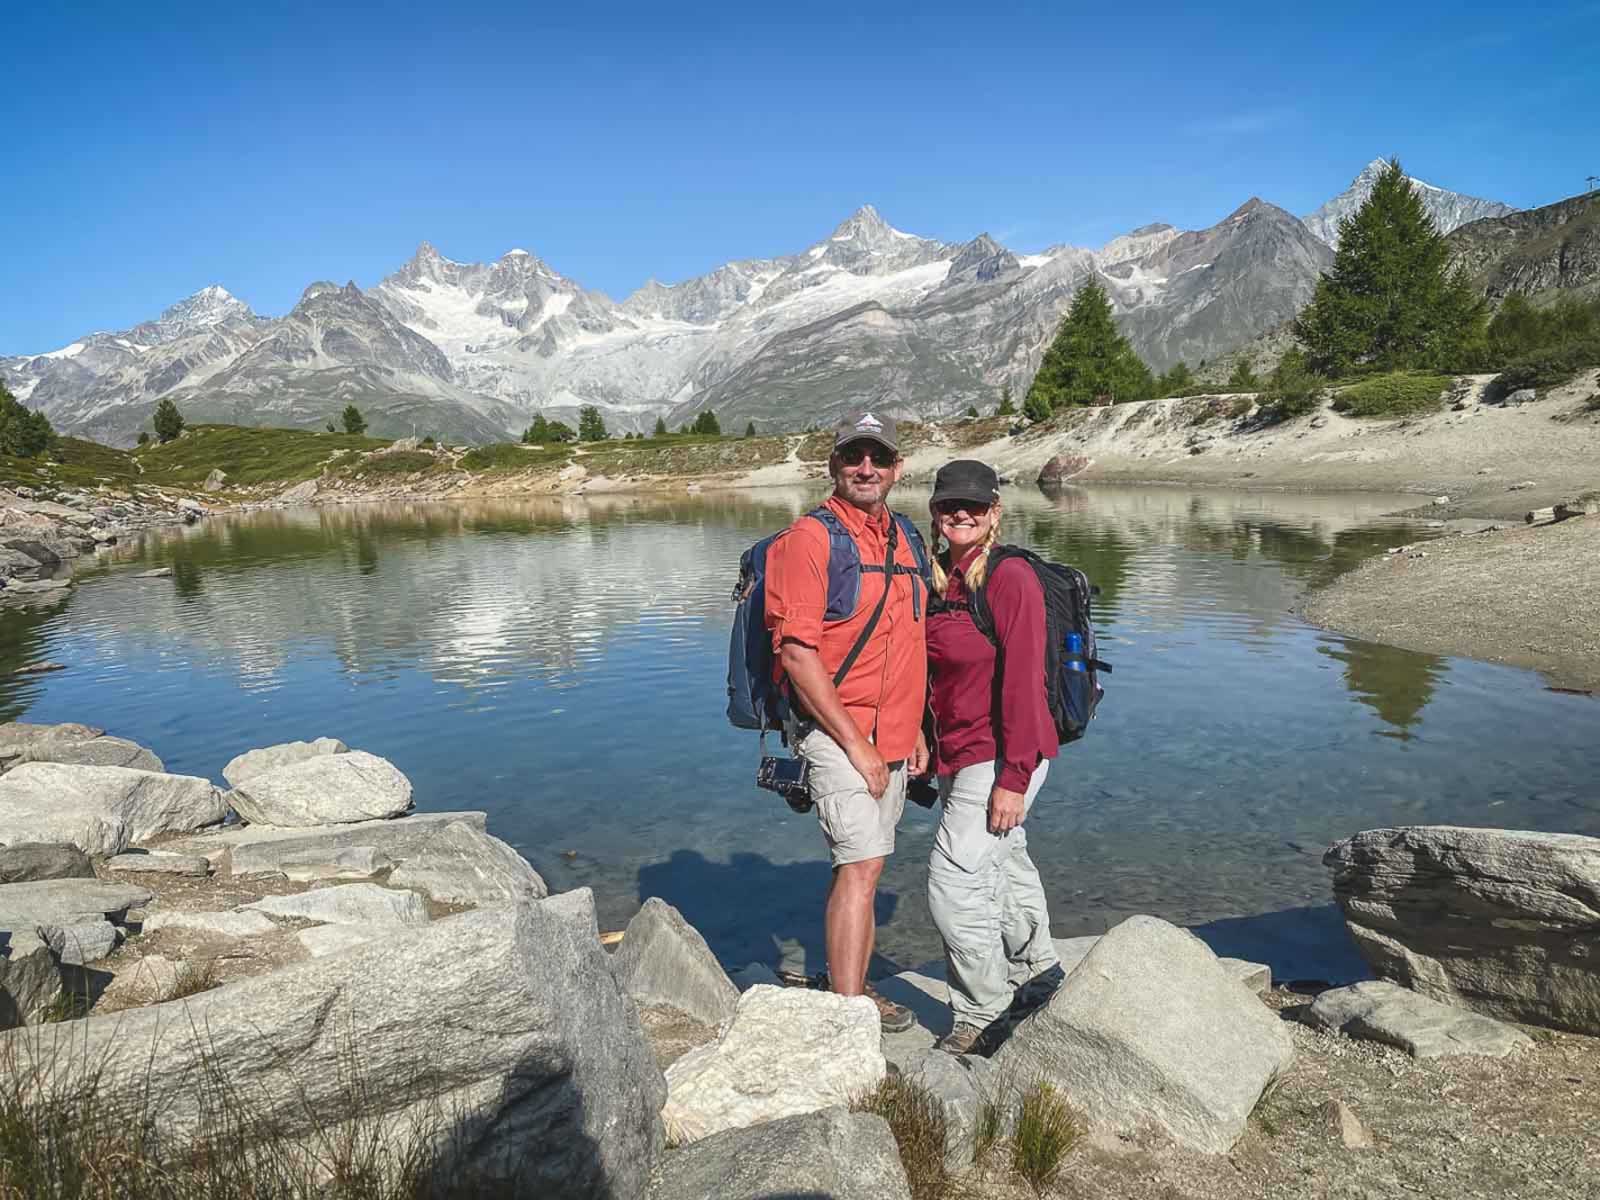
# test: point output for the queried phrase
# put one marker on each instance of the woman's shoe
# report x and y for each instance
(963, 1039)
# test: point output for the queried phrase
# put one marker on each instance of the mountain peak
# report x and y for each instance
(1449, 210)
(863, 225)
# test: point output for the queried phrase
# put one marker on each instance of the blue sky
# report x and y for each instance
(155, 148)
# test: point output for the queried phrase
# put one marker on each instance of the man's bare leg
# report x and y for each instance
(849, 924)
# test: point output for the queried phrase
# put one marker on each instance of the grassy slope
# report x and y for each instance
(247, 456)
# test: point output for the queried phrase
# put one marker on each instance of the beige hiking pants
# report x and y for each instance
(987, 899)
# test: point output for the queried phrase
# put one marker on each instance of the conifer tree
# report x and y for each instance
(1177, 381)
(1007, 407)
(168, 421)
(1089, 358)
(1389, 301)
(1244, 377)
(591, 425)
(706, 423)
(661, 428)
(750, 429)
(24, 432)
(537, 433)
(354, 422)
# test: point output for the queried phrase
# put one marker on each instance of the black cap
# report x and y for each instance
(966, 479)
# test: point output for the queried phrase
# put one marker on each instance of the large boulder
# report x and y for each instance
(82, 941)
(271, 758)
(1150, 1031)
(18, 736)
(329, 789)
(961, 1084)
(1062, 468)
(348, 904)
(104, 751)
(102, 810)
(1386, 1012)
(1502, 921)
(33, 861)
(830, 1155)
(506, 1021)
(30, 979)
(465, 865)
(788, 1051)
(664, 960)
(26, 906)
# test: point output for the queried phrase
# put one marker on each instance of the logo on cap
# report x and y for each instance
(868, 421)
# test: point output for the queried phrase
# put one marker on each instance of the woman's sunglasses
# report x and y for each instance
(948, 508)
(882, 456)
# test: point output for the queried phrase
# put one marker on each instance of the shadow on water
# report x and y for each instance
(1308, 943)
(751, 909)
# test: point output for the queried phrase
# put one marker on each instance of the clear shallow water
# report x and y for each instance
(561, 665)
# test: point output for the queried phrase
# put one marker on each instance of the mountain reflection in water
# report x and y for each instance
(560, 663)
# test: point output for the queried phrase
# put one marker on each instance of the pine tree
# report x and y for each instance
(144, 438)
(1244, 377)
(1389, 300)
(537, 433)
(560, 431)
(661, 428)
(750, 429)
(1007, 407)
(24, 432)
(706, 424)
(168, 421)
(354, 423)
(1037, 407)
(591, 425)
(1089, 359)
(972, 410)
(1178, 381)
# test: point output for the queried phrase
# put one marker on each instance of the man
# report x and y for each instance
(863, 737)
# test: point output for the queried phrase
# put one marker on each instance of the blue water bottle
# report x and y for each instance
(1074, 652)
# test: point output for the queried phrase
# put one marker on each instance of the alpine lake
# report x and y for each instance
(562, 665)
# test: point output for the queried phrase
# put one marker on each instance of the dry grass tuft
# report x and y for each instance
(917, 1119)
(1046, 1131)
(195, 976)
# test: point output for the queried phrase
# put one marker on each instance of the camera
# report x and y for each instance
(789, 777)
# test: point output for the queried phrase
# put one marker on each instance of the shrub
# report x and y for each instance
(144, 438)
(398, 462)
(354, 423)
(1244, 378)
(1047, 1129)
(1037, 407)
(167, 422)
(1395, 394)
(917, 1120)
(428, 442)
(1008, 407)
(1291, 391)
(1549, 367)
(972, 410)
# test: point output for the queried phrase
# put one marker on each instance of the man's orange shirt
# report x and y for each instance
(886, 689)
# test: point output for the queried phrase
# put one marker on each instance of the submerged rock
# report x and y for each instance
(788, 1051)
(1151, 1031)
(1501, 921)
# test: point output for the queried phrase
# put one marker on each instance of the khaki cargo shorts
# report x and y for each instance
(856, 826)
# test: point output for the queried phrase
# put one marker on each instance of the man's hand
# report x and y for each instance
(917, 764)
(1005, 810)
(866, 759)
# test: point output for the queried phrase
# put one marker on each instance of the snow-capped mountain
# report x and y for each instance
(869, 315)
(1449, 210)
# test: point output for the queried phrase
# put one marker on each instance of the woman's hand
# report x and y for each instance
(917, 764)
(1005, 810)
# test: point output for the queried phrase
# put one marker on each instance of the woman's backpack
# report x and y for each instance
(1072, 665)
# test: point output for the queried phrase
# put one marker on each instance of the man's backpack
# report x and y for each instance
(755, 700)
(1072, 665)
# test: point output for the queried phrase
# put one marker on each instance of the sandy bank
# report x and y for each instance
(1523, 596)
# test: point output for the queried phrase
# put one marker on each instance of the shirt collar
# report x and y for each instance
(855, 520)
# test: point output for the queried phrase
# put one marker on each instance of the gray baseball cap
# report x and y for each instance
(857, 426)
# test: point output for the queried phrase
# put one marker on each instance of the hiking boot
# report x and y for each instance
(963, 1039)
(894, 1018)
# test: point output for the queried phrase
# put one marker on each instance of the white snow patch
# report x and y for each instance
(24, 389)
(71, 351)
(1035, 260)
(134, 346)
(517, 250)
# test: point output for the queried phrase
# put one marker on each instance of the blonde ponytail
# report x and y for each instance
(980, 566)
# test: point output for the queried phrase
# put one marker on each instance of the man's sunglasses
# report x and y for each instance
(947, 508)
(882, 456)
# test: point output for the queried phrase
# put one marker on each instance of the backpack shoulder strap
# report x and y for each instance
(978, 598)
(844, 565)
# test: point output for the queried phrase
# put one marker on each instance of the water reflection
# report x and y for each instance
(560, 663)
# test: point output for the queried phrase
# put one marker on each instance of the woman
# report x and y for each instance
(994, 739)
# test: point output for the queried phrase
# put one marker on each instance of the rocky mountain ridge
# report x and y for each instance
(1449, 210)
(870, 315)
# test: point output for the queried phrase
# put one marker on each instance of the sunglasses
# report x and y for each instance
(882, 457)
(947, 508)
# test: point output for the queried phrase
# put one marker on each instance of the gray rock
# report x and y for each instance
(664, 960)
(1346, 1125)
(330, 789)
(217, 924)
(1500, 921)
(93, 752)
(465, 865)
(158, 863)
(349, 862)
(26, 906)
(506, 1020)
(1522, 396)
(300, 493)
(1255, 976)
(33, 861)
(268, 850)
(15, 564)
(787, 1051)
(830, 1155)
(961, 1084)
(323, 940)
(1149, 1031)
(101, 810)
(82, 941)
(1386, 1012)
(41, 554)
(17, 736)
(215, 480)
(31, 587)
(30, 979)
(271, 758)
(156, 573)
(348, 904)
(189, 504)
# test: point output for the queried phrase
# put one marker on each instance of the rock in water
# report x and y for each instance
(93, 752)
(330, 789)
(1150, 1030)
(1497, 920)
(506, 1022)
(270, 758)
(788, 1051)
(835, 1154)
(1386, 1012)
(1062, 468)
(348, 904)
(102, 810)
(664, 960)
(33, 861)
